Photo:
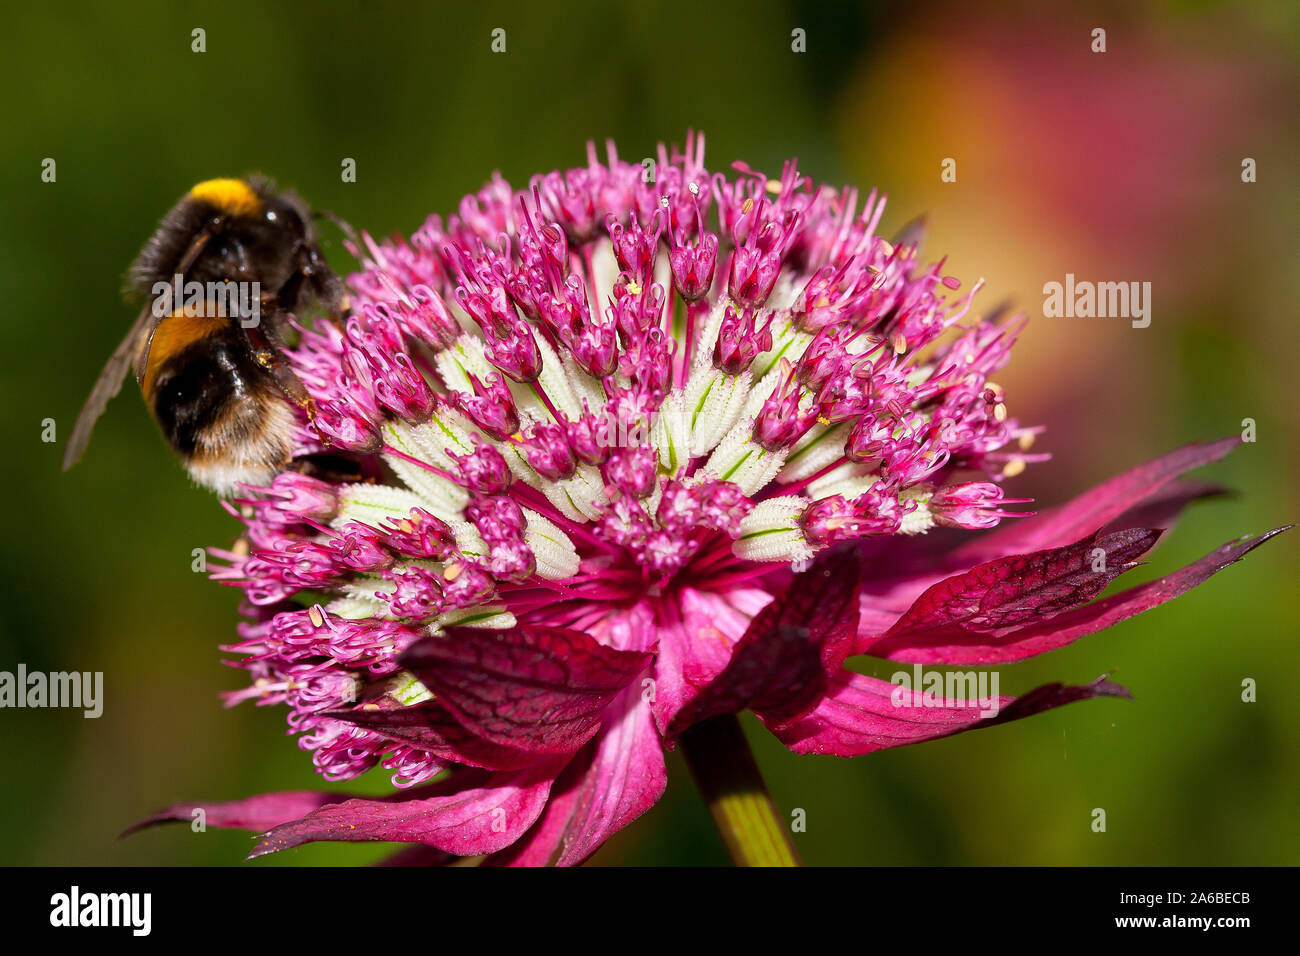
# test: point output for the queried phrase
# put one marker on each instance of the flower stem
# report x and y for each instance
(724, 770)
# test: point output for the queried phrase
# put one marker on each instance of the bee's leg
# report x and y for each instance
(326, 287)
(270, 356)
(287, 295)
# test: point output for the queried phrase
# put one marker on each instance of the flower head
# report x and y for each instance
(625, 455)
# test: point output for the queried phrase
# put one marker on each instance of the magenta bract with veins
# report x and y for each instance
(636, 452)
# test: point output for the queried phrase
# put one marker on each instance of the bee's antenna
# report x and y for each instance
(342, 223)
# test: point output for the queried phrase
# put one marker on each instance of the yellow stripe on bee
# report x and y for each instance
(229, 195)
(175, 334)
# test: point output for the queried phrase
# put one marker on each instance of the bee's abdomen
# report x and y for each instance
(206, 395)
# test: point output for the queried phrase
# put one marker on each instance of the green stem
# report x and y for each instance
(724, 770)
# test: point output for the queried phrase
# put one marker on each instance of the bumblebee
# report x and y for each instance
(226, 264)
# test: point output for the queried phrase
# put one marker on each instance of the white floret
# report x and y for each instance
(771, 532)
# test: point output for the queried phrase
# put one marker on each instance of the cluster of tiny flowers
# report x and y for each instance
(564, 398)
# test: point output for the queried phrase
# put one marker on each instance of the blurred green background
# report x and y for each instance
(1116, 166)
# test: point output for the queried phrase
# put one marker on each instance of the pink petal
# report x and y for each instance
(620, 776)
(873, 621)
(428, 726)
(631, 630)
(972, 647)
(626, 778)
(778, 667)
(696, 646)
(1137, 498)
(538, 847)
(1162, 509)
(859, 716)
(470, 813)
(1094, 509)
(1022, 587)
(532, 688)
(257, 813)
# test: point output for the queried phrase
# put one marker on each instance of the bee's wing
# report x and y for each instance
(109, 384)
(136, 345)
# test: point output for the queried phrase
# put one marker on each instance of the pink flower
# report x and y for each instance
(624, 456)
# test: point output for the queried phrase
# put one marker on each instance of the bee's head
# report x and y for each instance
(284, 213)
